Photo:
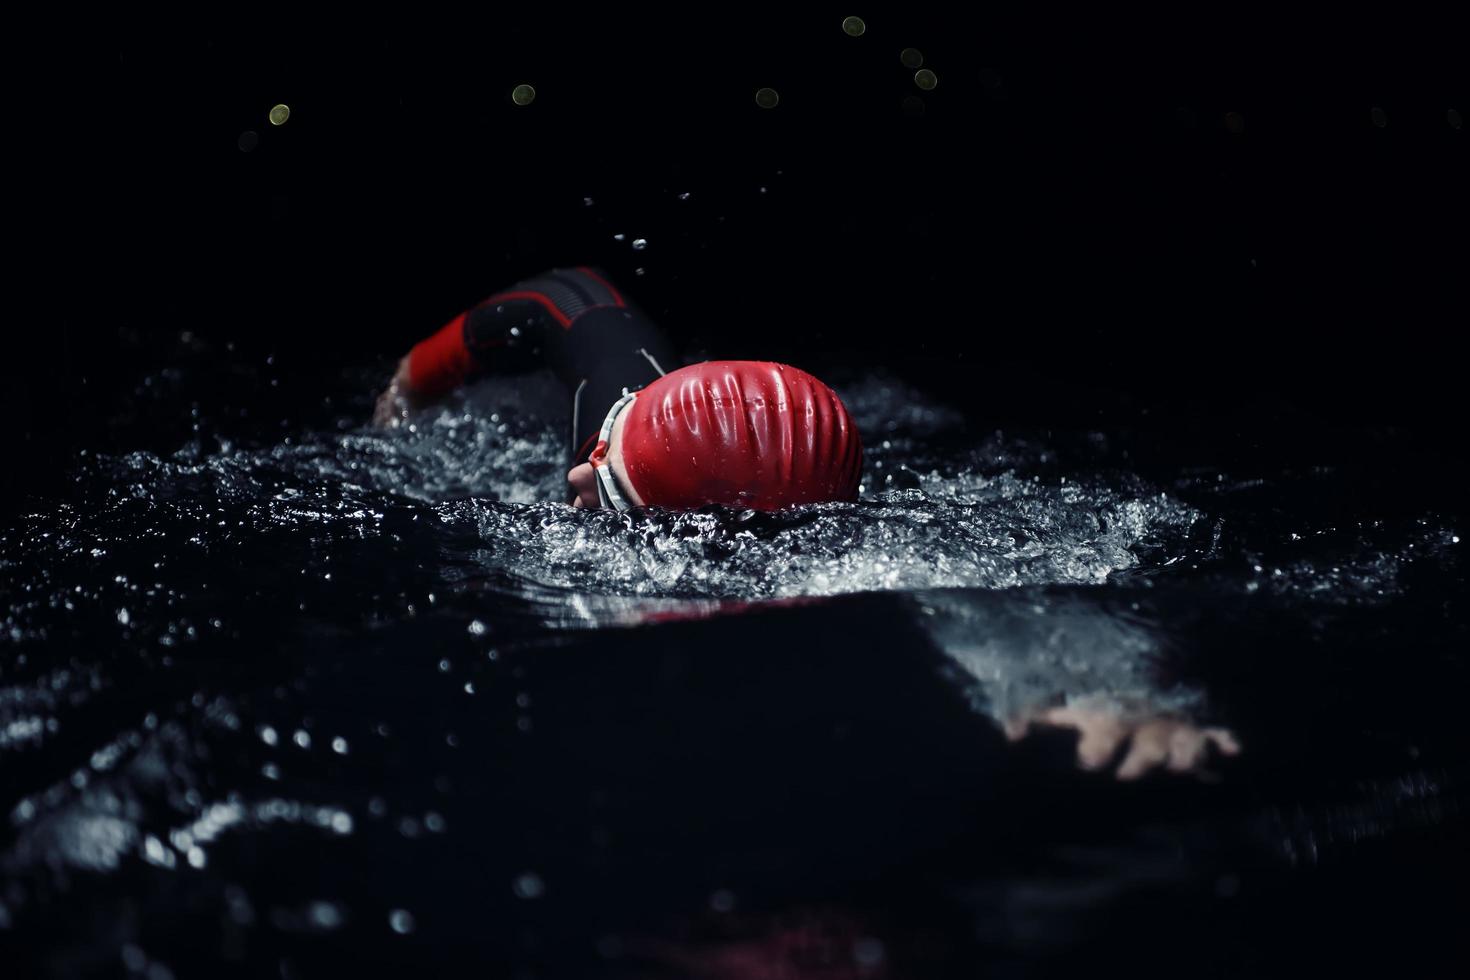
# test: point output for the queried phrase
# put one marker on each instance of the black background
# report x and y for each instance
(1065, 231)
(1068, 236)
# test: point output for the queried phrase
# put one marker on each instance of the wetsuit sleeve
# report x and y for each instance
(516, 330)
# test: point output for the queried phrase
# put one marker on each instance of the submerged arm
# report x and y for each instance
(1030, 661)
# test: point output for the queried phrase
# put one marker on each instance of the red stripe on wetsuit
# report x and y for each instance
(444, 361)
(440, 363)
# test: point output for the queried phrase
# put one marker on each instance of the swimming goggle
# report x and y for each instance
(608, 490)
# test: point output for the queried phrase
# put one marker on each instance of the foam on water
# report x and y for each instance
(970, 520)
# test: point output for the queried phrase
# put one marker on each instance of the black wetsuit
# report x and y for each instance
(574, 321)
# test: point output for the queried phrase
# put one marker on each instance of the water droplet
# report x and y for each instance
(401, 921)
(476, 628)
(302, 738)
(926, 79)
(868, 953)
(767, 98)
(523, 95)
(248, 141)
(722, 900)
(853, 26)
(529, 885)
(911, 58)
(339, 745)
(268, 735)
(324, 915)
(123, 617)
(279, 113)
(639, 244)
(134, 958)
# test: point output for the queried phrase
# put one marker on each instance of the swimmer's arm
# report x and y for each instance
(394, 403)
(1036, 663)
(504, 334)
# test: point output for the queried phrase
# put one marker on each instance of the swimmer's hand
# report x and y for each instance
(1153, 741)
(394, 404)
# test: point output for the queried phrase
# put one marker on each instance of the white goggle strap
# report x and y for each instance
(608, 490)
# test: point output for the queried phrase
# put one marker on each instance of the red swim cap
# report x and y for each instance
(740, 433)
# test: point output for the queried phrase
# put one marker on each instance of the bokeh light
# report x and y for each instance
(1235, 122)
(911, 57)
(853, 26)
(279, 113)
(913, 106)
(767, 98)
(925, 79)
(523, 95)
(1379, 117)
(248, 141)
(1453, 118)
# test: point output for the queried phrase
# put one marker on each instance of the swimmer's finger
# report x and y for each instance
(1187, 748)
(1016, 727)
(1101, 733)
(1099, 742)
(1062, 717)
(1224, 740)
(1150, 747)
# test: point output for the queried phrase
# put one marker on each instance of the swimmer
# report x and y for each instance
(644, 432)
(751, 434)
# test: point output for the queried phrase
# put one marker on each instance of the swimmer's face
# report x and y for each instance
(584, 484)
(583, 477)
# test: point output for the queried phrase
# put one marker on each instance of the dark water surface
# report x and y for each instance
(284, 696)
